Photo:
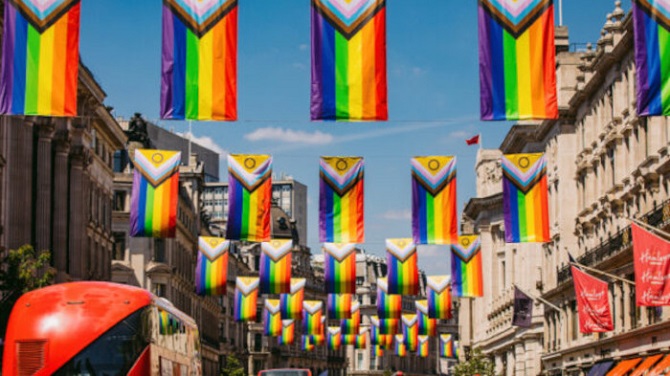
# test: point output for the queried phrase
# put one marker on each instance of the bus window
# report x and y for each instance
(113, 353)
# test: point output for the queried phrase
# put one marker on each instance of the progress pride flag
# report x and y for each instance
(592, 303)
(651, 256)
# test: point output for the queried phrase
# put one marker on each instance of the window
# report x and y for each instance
(159, 250)
(159, 289)
(120, 200)
(359, 361)
(360, 281)
(258, 342)
(119, 246)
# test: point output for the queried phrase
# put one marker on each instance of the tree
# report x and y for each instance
(478, 364)
(232, 367)
(23, 270)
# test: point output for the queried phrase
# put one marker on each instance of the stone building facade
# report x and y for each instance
(56, 184)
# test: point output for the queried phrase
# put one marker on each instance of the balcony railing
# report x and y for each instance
(621, 241)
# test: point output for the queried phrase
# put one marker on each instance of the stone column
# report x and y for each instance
(60, 207)
(43, 215)
(78, 202)
(19, 187)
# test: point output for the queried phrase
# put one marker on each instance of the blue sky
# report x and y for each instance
(433, 83)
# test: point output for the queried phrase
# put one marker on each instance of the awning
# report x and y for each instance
(600, 369)
(623, 367)
(660, 368)
(646, 364)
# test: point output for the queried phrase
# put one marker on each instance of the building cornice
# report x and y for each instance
(479, 204)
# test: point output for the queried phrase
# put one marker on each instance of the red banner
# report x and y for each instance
(592, 303)
(651, 255)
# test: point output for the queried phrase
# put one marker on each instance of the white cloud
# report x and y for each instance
(290, 136)
(303, 47)
(207, 142)
(396, 215)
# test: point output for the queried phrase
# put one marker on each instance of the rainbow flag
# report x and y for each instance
(400, 345)
(272, 323)
(339, 306)
(446, 346)
(410, 331)
(386, 326)
(349, 339)
(246, 298)
(525, 198)
(40, 58)
(334, 338)
(379, 351)
(250, 197)
(403, 270)
(466, 272)
(307, 344)
(424, 347)
(312, 314)
(361, 339)
(275, 270)
(651, 20)
(292, 303)
(388, 306)
(427, 326)
(349, 60)
(439, 293)
(287, 336)
(517, 60)
(168, 324)
(153, 207)
(341, 200)
(199, 60)
(340, 268)
(211, 270)
(434, 218)
(376, 338)
(318, 339)
(352, 325)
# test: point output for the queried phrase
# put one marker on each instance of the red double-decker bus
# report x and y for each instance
(99, 328)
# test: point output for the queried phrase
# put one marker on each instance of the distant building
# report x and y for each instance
(288, 194)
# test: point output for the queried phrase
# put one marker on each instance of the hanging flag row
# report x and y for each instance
(40, 62)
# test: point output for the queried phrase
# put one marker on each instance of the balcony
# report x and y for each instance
(620, 242)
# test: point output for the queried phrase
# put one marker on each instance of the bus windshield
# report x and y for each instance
(285, 372)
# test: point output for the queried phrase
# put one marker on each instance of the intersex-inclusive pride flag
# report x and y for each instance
(400, 345)
(378, 351)
(320, 338)
(275, 268)
(525, 198)
(361, 339)
(307, 344)
(438, 288)
(424, 347)
(427, 326)
(434, 218)
(153, 206)
(651, 19)
(446, 346)
(199, 60)
(334, 338)
(246, 298)
(466, 268)
(340, 268)
(352, 325)
(40, 58)
(287, 336)
(410, 331)
(292, 303)
(517, 60)
(388, 306)
(651, 260)
(211, 270)
(311, 317)
(349, 60)
(403, 269)
(593, 305)
(339, 306)
(272, 323)
(349, 339)
(250, 197)
(341, 200)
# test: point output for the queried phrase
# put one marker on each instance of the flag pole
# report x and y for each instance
(480, 141)
(602, 273)
(540, 299)
(560, 12)
(652, 228)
